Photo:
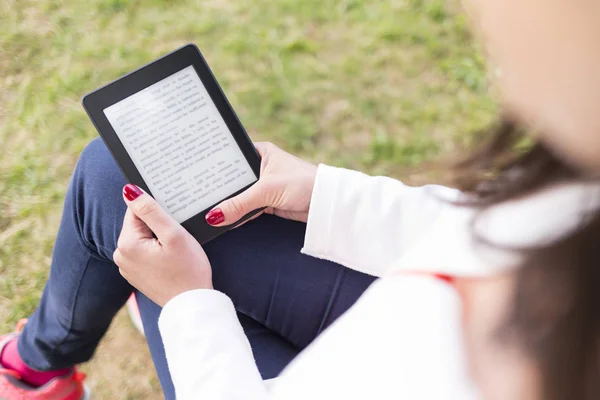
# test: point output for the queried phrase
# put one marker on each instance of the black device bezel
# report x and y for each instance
(95, 102)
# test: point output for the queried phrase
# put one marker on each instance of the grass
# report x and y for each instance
(381, 86)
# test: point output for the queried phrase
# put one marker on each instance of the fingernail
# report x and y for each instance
(215, 217)
(131, 191)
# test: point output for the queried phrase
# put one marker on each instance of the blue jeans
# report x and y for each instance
(284, 299)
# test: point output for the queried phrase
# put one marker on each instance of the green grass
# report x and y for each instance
(381, 86)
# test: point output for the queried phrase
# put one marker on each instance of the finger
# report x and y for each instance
(144, 207)
(123, 274)
(261, 147)
(134, 228)
(231, 210)
(250, 219)
(117, 257)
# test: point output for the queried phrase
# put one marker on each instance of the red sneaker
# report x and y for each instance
(68, 387)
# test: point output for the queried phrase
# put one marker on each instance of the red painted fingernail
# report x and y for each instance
(131, 191)
(215, 217)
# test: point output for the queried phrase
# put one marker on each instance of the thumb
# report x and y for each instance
(143, 206)
(231, 210)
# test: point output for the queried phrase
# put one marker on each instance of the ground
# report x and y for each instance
(381, 86)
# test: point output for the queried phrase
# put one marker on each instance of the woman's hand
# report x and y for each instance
(160, 265)
(284, 188)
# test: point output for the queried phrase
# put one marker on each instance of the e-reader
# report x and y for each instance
(173, 133)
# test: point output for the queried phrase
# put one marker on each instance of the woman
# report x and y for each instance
(491, 294)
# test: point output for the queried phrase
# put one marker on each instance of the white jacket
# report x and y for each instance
(402, 339)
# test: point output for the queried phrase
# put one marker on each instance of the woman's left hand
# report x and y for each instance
(160, 265)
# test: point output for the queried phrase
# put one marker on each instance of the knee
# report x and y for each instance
(95, 198)
(96, 170)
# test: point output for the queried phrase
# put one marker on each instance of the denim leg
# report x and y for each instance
(84, 290)
(259, 265)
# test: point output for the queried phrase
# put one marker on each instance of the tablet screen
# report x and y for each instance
(180, 144)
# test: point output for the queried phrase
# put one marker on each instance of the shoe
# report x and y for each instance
(134, 314)
(68, 387)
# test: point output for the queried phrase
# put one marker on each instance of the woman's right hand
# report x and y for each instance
(284, 188)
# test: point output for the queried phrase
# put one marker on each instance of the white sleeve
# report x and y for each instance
(365, 222)
(208, 354)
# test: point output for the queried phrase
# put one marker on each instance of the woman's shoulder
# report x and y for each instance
(543, 216)
(466, 242)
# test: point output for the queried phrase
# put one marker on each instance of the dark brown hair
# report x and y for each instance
(555, 314)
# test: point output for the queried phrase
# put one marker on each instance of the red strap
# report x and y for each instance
(446, 278)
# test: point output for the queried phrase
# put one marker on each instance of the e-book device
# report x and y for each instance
(173, 133)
